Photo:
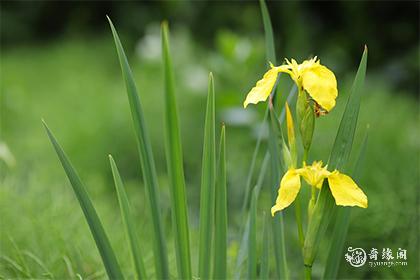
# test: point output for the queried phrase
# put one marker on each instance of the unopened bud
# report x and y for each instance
(291, 136)
(287, 158)
(307, 127)
(306, 119)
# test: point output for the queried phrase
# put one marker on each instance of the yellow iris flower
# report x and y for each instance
(310, 75)
(344, 190)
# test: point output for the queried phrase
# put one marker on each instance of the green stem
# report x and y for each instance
(298, 213)
(313, 194)
(308, 272)
(305, 156)
(312, 202)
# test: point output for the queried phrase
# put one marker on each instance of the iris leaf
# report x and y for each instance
(146, 161)
(175, 165)
(102, 243)
(207, 187)
(341, 224)
(221, 224)
(252, 240)
(128, 221)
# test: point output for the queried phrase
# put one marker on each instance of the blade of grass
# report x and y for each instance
(19, 256)
(265, 265)
(277, 221)
(220, 230)
(102, 243)
(146, 161)
(18, 270)
(341, 224)
(207, 187)
(128, 221)
(324, 207)
(41, 264)
(252, 241)
(69, 266)
(175, 165)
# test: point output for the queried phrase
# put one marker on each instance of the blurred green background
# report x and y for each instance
(58, 62)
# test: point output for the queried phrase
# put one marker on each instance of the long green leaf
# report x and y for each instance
(175, 165)
(102, 243)
(324, 207)
(220, 230)
(265, 265)
(268, 32)
(128, 221)
(207, 187)
(248, 185)
(277, 221)
(252, 241)
(341, 224)
(345, 135)
(271, 56)
(146, 161)
(243, 249)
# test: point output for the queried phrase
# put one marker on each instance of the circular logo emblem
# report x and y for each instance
(355, 257)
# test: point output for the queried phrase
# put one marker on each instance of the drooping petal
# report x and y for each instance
(345, 191)
(321, 84)
(288, 190)
(314, 174)
(263, 88)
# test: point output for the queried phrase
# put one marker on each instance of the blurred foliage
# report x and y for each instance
(67, 72)
(302, 28)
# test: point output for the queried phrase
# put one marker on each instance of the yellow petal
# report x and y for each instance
(314, 174)
(345, 191)
(289, 188)
(263, 88)
(321, 85)
(290, 126)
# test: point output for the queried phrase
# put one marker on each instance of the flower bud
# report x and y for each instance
(291, 136)
(306, 119)
(287, 158)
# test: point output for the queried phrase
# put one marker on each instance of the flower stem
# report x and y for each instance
(305, 156)
(308, 272)
(311, 204)
(313, 193)
(298, 213)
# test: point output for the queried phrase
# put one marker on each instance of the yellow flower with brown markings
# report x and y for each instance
(316, 79)
(344, 190)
